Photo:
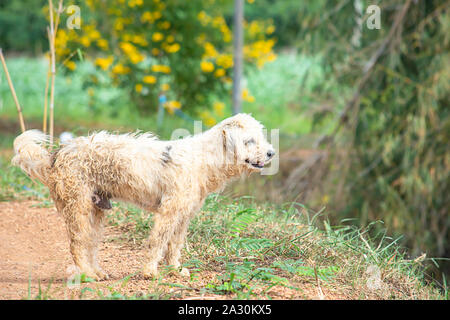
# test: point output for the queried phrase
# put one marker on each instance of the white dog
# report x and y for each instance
(169, 178)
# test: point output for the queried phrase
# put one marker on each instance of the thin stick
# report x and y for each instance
(50, 32)
(51, 38)
(13, 92)
(44, 124)
(52, 85)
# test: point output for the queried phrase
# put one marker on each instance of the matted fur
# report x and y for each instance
(169, 178)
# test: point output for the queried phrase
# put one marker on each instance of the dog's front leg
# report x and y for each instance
(176, 242)
(163, 229)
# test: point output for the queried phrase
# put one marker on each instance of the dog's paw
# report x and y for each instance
(88, 276)
(184, 272)
(150, 271)
(101, 275)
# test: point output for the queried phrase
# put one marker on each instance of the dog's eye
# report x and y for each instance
(249, 141)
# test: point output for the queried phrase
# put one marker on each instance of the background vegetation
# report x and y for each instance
(370, 107)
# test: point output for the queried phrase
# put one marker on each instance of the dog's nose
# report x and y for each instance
(270, 153)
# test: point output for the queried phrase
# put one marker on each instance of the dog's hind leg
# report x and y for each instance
(83, 230)
(97, 217)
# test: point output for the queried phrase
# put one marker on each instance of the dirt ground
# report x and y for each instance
(34, 252)
(34, 249)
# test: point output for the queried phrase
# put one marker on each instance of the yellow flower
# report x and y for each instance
(102, 44)
(70, 65)
(133, 54)
(210, 51)
(155, 51)
(118, 24)
(210, 122)
(172, 105)
(84, 40)
(120, 69)
(164, 25)
(161, 68)
(127, 47)
(94, 35)
(225, 61)
(157, 15)
(170, 38)
(203, 17)
(60, 43)
(226, 32)
(207, 66)
(149, 79)
(138, 87)
(246, 96)
(270, 29)
(227, 36)
(254, 28)
(271, 57)
(218, 21)
(139, 39)
(219, 73)
(207, 118)
(133, 3)
(157, 36)
(61, 38)
(136, 57)
(147, 17)
(218, 108)
(165, 87)
(104, 63)
(172, 48)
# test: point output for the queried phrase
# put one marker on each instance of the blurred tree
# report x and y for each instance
(22, 26)
(182, 49)
(392, 156)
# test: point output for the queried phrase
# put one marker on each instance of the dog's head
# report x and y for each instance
(244, 142)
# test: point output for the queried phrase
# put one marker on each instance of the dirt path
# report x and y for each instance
(34, 249)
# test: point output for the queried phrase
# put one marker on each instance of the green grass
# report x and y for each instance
(252, 248)
(14, 184)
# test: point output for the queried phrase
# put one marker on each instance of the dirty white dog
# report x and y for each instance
(169, 178)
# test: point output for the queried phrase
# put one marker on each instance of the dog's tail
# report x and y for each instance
(31, 155)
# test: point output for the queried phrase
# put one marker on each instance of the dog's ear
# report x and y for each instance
(229, 142)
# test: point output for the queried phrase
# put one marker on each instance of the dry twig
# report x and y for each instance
(51, 38)
(13, 92)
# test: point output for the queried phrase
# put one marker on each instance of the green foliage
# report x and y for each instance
(396, 164)
(22, 26)
(182, 49)
(15, 184)
(287, 17)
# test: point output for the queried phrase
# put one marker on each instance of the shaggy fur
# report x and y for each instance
(169, 178)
